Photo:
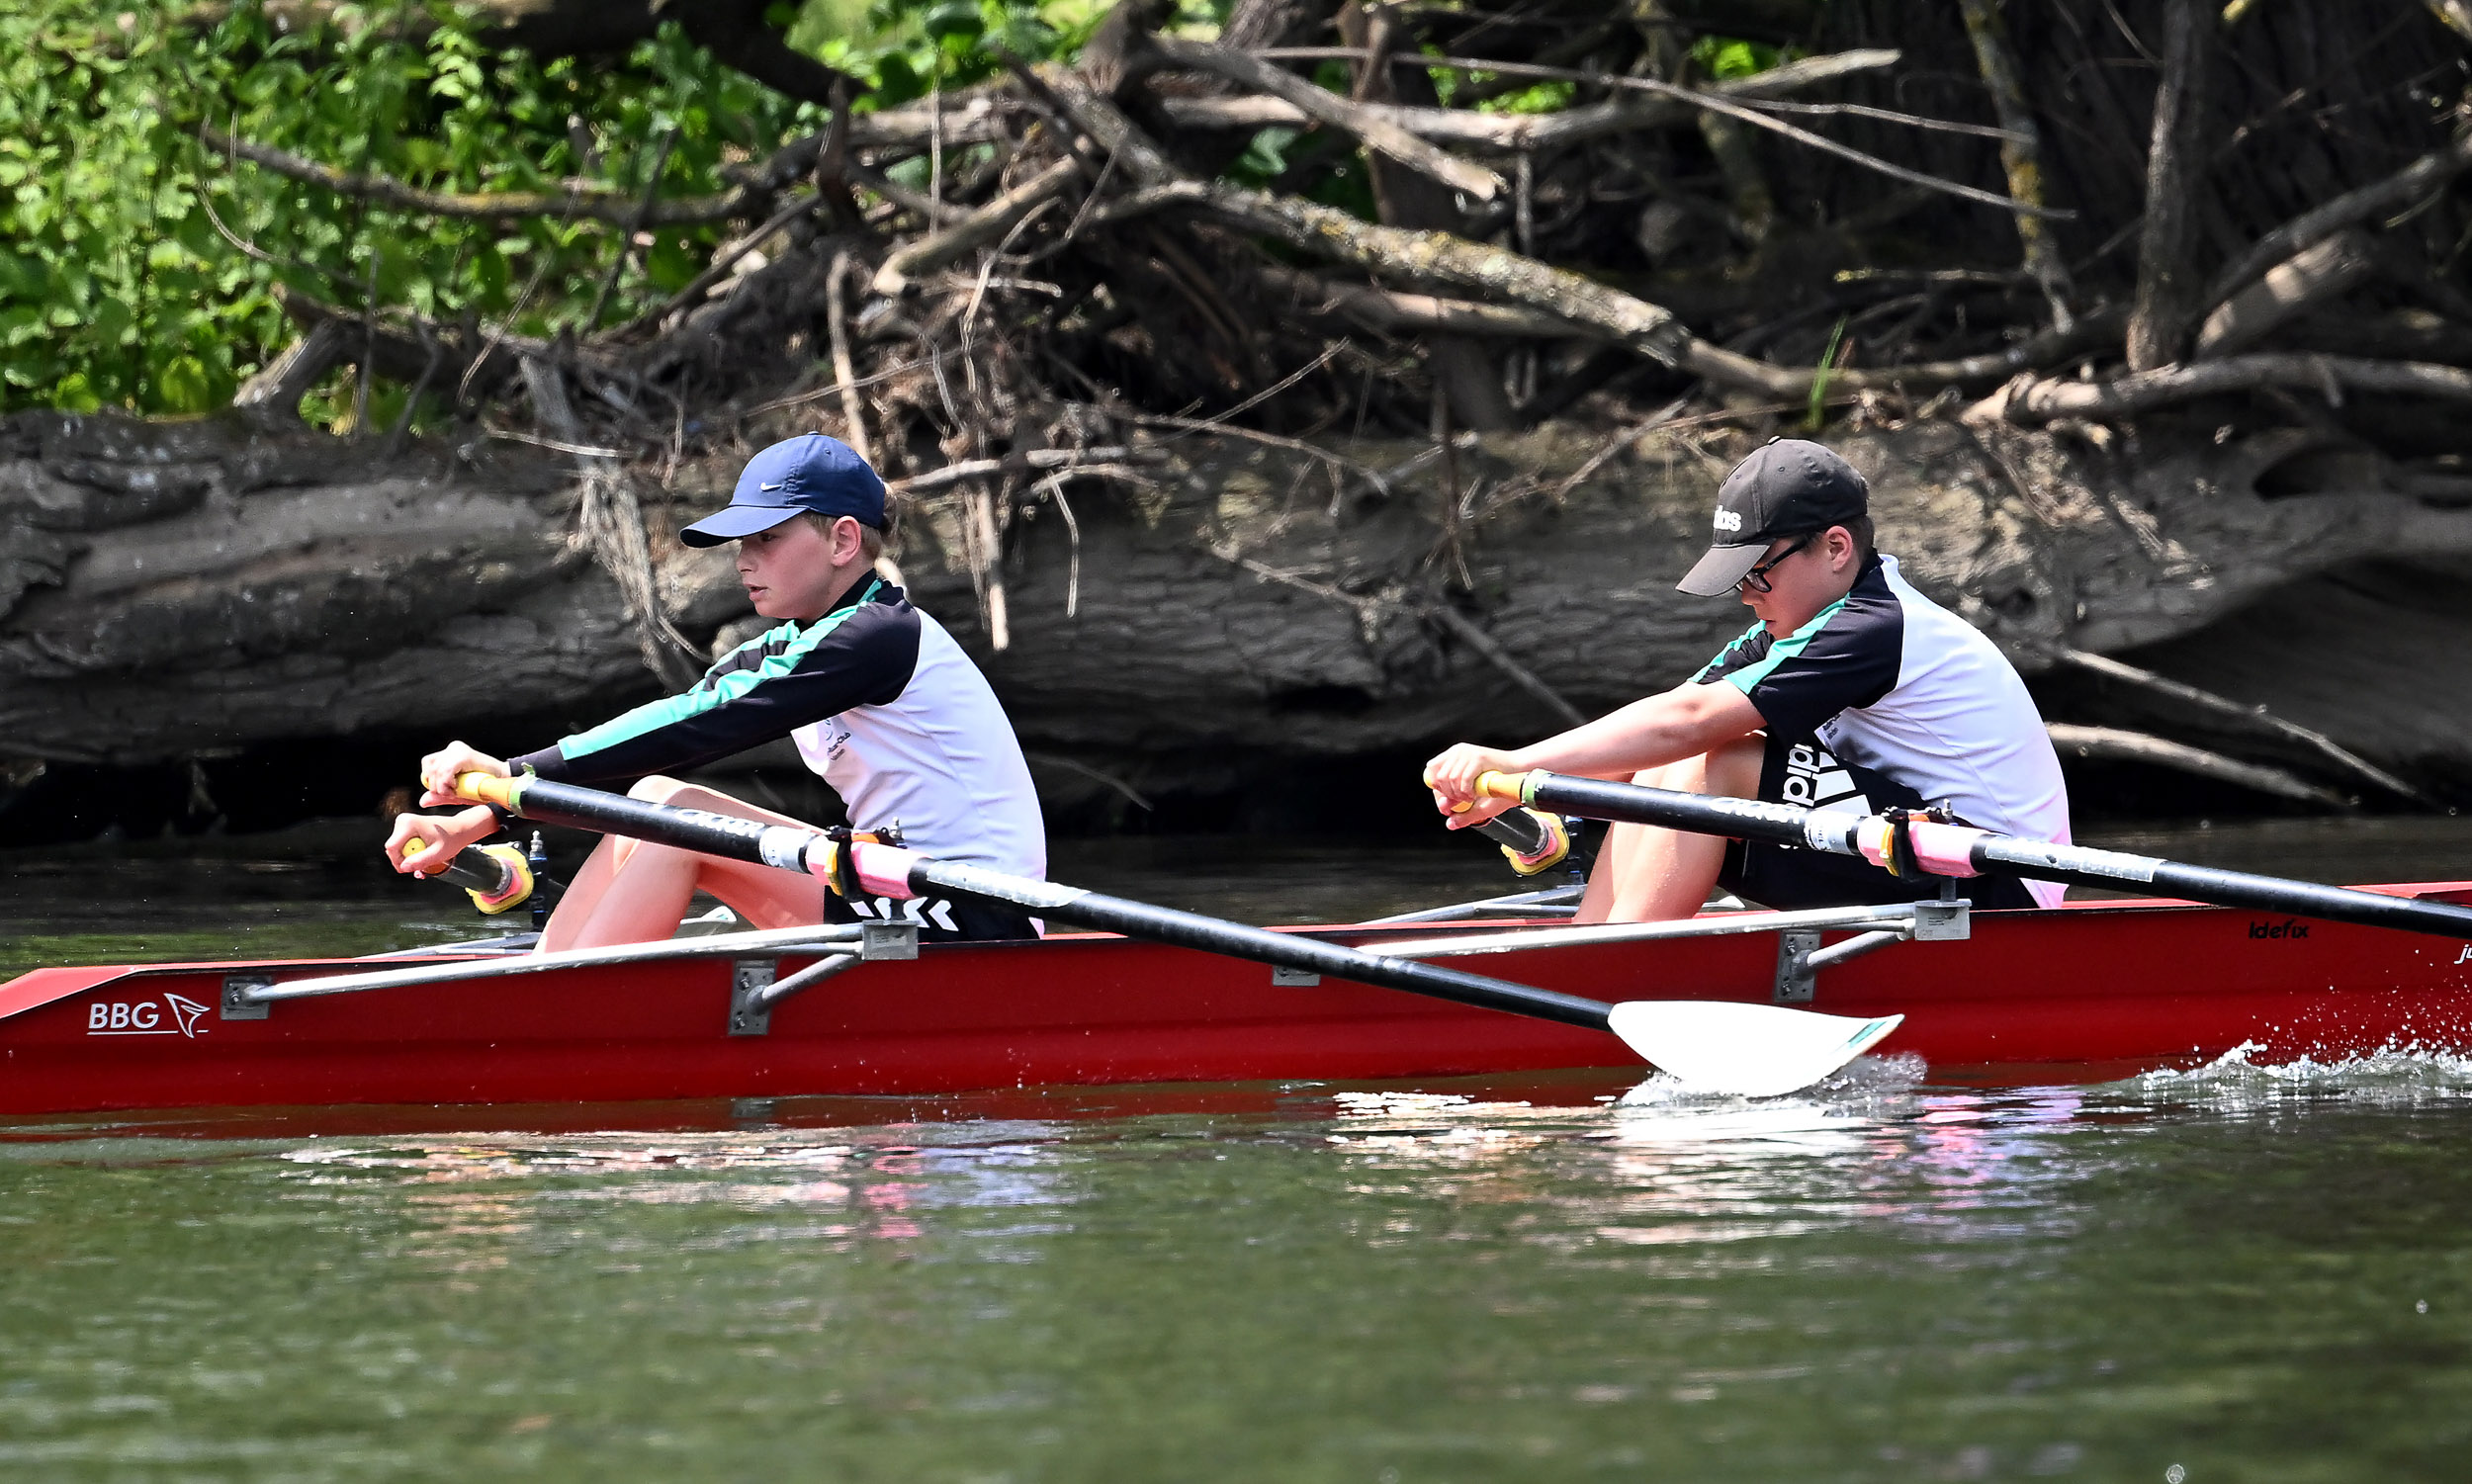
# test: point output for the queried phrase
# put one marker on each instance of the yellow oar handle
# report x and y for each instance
(486, 788)
(1489, 785)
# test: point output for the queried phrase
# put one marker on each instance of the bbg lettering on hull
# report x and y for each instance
(173, 1016)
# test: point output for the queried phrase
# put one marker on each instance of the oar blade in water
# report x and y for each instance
(1749, 1050)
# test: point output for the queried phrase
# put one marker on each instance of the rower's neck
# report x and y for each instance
(851, 596)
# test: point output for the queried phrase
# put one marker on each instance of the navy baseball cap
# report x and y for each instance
(807, 472)
(1787, 487)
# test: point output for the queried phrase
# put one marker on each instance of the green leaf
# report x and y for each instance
(1724, 58)
(183, 386)
(22, 277)
(74, 393)
(113, 322)
(671, 263)
(953, 17)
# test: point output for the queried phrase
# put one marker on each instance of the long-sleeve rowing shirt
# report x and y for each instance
(1890, 680)
(882, 704)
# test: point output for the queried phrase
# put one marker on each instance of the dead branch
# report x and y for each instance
(272, 397)
(1326, 107)
(926, 207)
(1434, 256)
(975, 229)
(1711, 103)
(2091, 332)
(402, 356)
(727, 258)
(1027, 461)
(590, 203)
(1392, 312)
(2253, 719)
(2314, 274)
(2124, 396)
(609, 523)
(2431, 172)
(845, 374)
(2021, 151)
(2167, 286)
(1780, 81)
(980, 114)
(1514, 134)
(1462, 628)
(2136, 746)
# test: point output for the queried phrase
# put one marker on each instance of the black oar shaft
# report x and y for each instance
(477, 870)
(1633, 804)
(1186, 930)
(786, 848)
(1834, 831)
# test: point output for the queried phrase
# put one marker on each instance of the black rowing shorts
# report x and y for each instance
(1786, 878)
(940, 919)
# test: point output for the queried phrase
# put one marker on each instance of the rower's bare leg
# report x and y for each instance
(1651, 875)
(635, 892)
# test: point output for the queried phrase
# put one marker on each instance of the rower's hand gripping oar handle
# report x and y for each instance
(498, 878)
(1503, 786)
(1533, 840)
(489, 788)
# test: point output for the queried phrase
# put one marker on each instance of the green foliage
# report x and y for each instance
(141, 270)
(907, 49)
(1544, 98)
(118, 287)
(1265, 158)
(1723, 57)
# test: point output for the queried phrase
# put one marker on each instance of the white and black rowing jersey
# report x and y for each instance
(1890, 680)
(882, 704)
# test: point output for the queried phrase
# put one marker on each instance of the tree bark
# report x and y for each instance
(1468, 377)
(256, 588)
(2168, 285)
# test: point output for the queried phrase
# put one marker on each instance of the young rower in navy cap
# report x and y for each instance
(880, 700)
(1853, 691)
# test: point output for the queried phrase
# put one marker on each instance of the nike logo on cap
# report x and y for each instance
(769, 488)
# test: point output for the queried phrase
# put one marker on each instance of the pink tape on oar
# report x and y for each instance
(1944, 849)
(884, 870)
(1941, 849)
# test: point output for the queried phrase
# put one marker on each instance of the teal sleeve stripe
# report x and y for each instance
(1747, 678)
(710, 693)
(1739, 641)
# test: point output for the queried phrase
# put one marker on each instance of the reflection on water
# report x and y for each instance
(2249, 1273)
(2239, 1271)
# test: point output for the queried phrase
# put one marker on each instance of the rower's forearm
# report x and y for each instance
(1646, 734)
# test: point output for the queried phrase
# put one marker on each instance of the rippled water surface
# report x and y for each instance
(2246, 1274)
(2243, 1274)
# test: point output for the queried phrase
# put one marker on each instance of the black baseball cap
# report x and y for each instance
(806, 473)
(1787, 487)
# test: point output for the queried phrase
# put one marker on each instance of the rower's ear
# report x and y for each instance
(850, 541)
(1843, 550)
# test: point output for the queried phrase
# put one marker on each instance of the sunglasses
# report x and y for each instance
(1756, 578)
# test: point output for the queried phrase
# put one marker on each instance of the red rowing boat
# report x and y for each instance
(2086, 992)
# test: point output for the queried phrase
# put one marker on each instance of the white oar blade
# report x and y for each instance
(1748, 1050)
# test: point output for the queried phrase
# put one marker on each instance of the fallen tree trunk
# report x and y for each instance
(218, 589)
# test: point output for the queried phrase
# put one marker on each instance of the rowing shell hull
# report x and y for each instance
(2083, 993)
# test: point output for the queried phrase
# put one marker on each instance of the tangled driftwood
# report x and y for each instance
(1289, 477)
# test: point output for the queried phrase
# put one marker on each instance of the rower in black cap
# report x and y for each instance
(1853, 691)
(879, 699)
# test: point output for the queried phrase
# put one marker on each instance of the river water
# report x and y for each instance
(2237, 1273)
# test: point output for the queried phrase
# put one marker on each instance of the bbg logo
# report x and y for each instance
(1727, 520)
(176, 1015)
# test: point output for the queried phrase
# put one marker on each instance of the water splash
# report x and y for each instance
(2397, 1074)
